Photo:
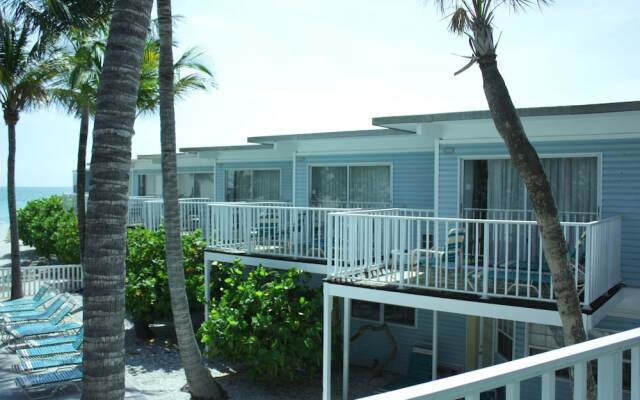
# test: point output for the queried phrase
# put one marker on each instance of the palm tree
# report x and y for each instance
(24, 75)
(76, 91)
(201, 383)
(474, 18)
(105, 242)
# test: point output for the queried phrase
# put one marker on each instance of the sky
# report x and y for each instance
(302, 66)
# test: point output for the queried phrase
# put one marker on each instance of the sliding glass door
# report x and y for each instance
(493, 189)
(252, 185)
(356, 186)
(191, 185)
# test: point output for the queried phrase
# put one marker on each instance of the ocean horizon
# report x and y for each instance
(24, 194)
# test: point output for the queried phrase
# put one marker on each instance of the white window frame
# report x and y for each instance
(233, 170)
(381, 319)
(462, 159)
(348, 166)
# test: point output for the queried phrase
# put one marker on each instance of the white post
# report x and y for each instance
(293, 184)
(513, 391)
(610, 377)
(326, 344)
(346, 337)
(485, 262)
(580, 381)
(549, 385)
(434, 349)
(588, 268)
(436, 176)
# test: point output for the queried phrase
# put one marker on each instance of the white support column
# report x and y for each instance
(513, 391)
(293, 183)
(610, 377)
(346, 336)
(326, 344)
(436, 176)
(434, 350)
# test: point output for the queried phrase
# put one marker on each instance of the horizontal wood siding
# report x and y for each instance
(620, 185)
(286, 174)
(412, 175)
(373, 346)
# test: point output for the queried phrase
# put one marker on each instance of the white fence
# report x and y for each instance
(193, 213)
(135, 214)
(525, 215)
(65, 278)
(270, 229)
(607, 351)
(486, 257)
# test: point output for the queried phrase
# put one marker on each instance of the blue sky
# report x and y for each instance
(291, 66)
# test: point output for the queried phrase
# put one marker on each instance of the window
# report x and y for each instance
(366, 186)
(253, 185)
(370, 311)
(505, 338)
(149, 185)
(195, 185)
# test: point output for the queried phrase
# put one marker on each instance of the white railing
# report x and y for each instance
(280, 230)
(607, 351)
(525, 215)
(65, 278)
(497, 258)
(193, 213)
(135, 214)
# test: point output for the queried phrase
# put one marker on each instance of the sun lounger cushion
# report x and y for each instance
(68, 375)
(29, 364)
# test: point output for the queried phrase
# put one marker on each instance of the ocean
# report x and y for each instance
(25, 194)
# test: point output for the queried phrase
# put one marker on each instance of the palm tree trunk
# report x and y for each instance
(16, 273)
(526, 161)
(81, 176)
(201, 383)
(105, 239)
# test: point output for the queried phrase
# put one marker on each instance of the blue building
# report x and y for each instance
(423, 225)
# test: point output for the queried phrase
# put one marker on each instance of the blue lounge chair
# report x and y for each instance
(44, 288)
(30, 306)
(29, 364)
(56, 325)
(48, 341)
(30, 316)
(53, 350)
(47, 384)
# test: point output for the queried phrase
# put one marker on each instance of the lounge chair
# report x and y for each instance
(419, 370)
(30, 316)
(48, 341)
(46, 384)
(30, 364)
(56, 325)
(56, 349)
(44, 288)
(29, 306)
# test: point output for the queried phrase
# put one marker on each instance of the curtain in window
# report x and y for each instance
(266, 185)
(574, 183)
(505, 189)
(239, 185)
(328, 187)
(185, 185)
(203, 186)
(369, 186)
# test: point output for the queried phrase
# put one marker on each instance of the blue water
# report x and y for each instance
(25, 194)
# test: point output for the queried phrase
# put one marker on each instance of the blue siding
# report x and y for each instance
(620, 185)
(376, 346)
(286, 174)
(412, 175)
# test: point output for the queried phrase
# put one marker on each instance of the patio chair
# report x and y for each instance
(30, 364)
(54, 350)
(48, 341)
(450, 257)
(45, 385)
(418, 371)
(44, 288)
(29, 306)
(30, 316)
(55, 326)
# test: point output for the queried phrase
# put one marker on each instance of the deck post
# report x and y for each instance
(434, 345)
(485, 262)
(610, 377)
(326, 344)
(346, 338)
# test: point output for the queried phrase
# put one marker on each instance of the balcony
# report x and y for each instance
(486, 258)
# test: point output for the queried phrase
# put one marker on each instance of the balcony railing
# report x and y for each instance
(270, 229)
(490, 258)
(525, 215)
(65, 278)
(607, 351)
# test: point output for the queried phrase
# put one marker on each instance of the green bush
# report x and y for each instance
(147, 284)
(270, 320)
(46, 225)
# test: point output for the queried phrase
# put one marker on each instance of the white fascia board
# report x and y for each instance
(212, 255)
(387, 144)
(455, 306)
